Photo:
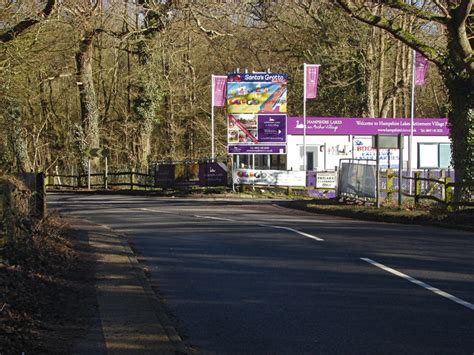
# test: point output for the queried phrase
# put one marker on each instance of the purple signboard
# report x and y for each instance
(212, 174)
(367, 126)
(255, 129)
(271, 128)
(189, 175)
(256, 149)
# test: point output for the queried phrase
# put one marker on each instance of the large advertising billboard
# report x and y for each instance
(256, 93)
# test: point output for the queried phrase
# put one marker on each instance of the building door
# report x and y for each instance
(310, 161)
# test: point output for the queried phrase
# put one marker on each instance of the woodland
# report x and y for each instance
(133, 77)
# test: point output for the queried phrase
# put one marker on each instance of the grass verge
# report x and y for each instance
(463, 219)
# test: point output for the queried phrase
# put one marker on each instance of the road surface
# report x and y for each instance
(252, 277)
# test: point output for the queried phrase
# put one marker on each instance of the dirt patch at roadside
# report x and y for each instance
(47, 290)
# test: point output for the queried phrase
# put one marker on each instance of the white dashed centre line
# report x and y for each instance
(293, 230)
(215, 218)
(421, 283)
(156, 211)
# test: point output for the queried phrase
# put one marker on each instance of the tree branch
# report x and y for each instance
(460, 17)
(418, 12)
(361, 13)
(442, 8)
(27, 23)
(209, 33)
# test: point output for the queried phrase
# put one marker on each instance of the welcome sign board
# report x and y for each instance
(367, 126)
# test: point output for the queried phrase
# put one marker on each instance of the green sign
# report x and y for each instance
(97, 152)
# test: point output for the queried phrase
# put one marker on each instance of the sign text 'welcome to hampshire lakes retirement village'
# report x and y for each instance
(367, 126)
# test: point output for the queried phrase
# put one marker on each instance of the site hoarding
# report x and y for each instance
(269, 177)
(256, 93)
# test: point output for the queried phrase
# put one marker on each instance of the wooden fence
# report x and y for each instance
(126, 179)
(439, 189)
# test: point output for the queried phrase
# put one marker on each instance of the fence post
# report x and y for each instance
(106, 173)
(389, 186)
(131, 178)
(448, 194)
(40, 198)
(88, 174)
(417, 187)
(443, 190)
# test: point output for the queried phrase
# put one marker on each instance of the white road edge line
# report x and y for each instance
(216, 218)
(421, 283)
(293, 230)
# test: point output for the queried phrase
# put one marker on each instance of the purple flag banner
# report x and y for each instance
(219, 83)
(311, 80)
(421, 66)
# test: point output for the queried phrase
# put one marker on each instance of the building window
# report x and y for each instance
(434, 155)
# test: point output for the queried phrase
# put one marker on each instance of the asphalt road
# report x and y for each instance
(251, 277)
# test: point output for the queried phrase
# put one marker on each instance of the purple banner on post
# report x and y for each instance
(219, 90)
(421, 66)
(311, 80)
(271, 128)
(256, 149)
(367, 126)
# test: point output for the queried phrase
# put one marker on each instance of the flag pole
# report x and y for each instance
(412, 118)
(212, 118)
(304, 117)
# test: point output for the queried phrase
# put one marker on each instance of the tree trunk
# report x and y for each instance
(144, 144)
(396, 67)
(461, 125)
(381, 81)
(18, 137)
(370, 75)
(88, 135)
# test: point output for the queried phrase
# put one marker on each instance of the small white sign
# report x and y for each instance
(326, 180)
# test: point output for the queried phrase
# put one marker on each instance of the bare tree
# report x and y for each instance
(26, 23)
